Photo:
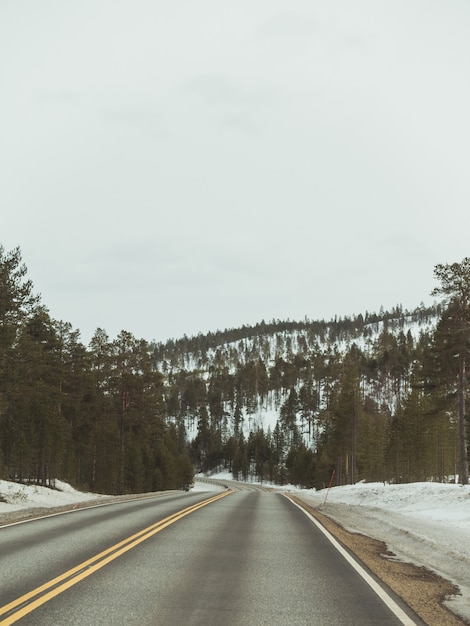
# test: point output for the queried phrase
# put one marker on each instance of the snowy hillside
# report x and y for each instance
(283, 340)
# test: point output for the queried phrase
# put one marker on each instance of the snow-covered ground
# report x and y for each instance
(424, 523)
(15, 496)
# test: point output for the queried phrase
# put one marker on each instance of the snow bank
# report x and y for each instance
(15, 496)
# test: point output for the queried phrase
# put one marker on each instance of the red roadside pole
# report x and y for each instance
(329, 486)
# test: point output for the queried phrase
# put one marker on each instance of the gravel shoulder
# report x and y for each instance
(424, 591)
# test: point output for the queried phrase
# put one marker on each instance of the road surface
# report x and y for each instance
(247, 557)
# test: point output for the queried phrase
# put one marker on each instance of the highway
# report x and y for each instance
(242, 557)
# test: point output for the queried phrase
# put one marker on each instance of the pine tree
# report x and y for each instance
(37, 416)
(455, 287)
(346, 422)
(99, 441)
(17, 304)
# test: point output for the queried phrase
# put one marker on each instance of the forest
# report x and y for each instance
(374, 397)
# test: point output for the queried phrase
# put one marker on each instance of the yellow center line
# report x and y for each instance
(71, 577)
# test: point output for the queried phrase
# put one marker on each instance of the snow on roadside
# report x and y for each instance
(16, 496)
(201, 485)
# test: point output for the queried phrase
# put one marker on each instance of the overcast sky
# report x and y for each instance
(178, 167)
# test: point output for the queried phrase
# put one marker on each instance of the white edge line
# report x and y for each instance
(383, 595)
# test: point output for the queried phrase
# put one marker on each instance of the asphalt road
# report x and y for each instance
(247, 558)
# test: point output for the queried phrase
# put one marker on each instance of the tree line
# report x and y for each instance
(93, 416)
(379, 396)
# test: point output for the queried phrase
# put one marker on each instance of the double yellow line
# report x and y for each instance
(30, 601)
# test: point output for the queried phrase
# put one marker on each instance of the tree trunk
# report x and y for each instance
(462, 425)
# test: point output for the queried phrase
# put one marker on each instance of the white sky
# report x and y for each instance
(177, 167)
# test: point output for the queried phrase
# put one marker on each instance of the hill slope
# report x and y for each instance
(320, 395)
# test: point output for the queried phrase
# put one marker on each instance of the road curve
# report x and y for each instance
(252, 558)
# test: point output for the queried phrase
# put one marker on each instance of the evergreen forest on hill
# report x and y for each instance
(375, 397)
